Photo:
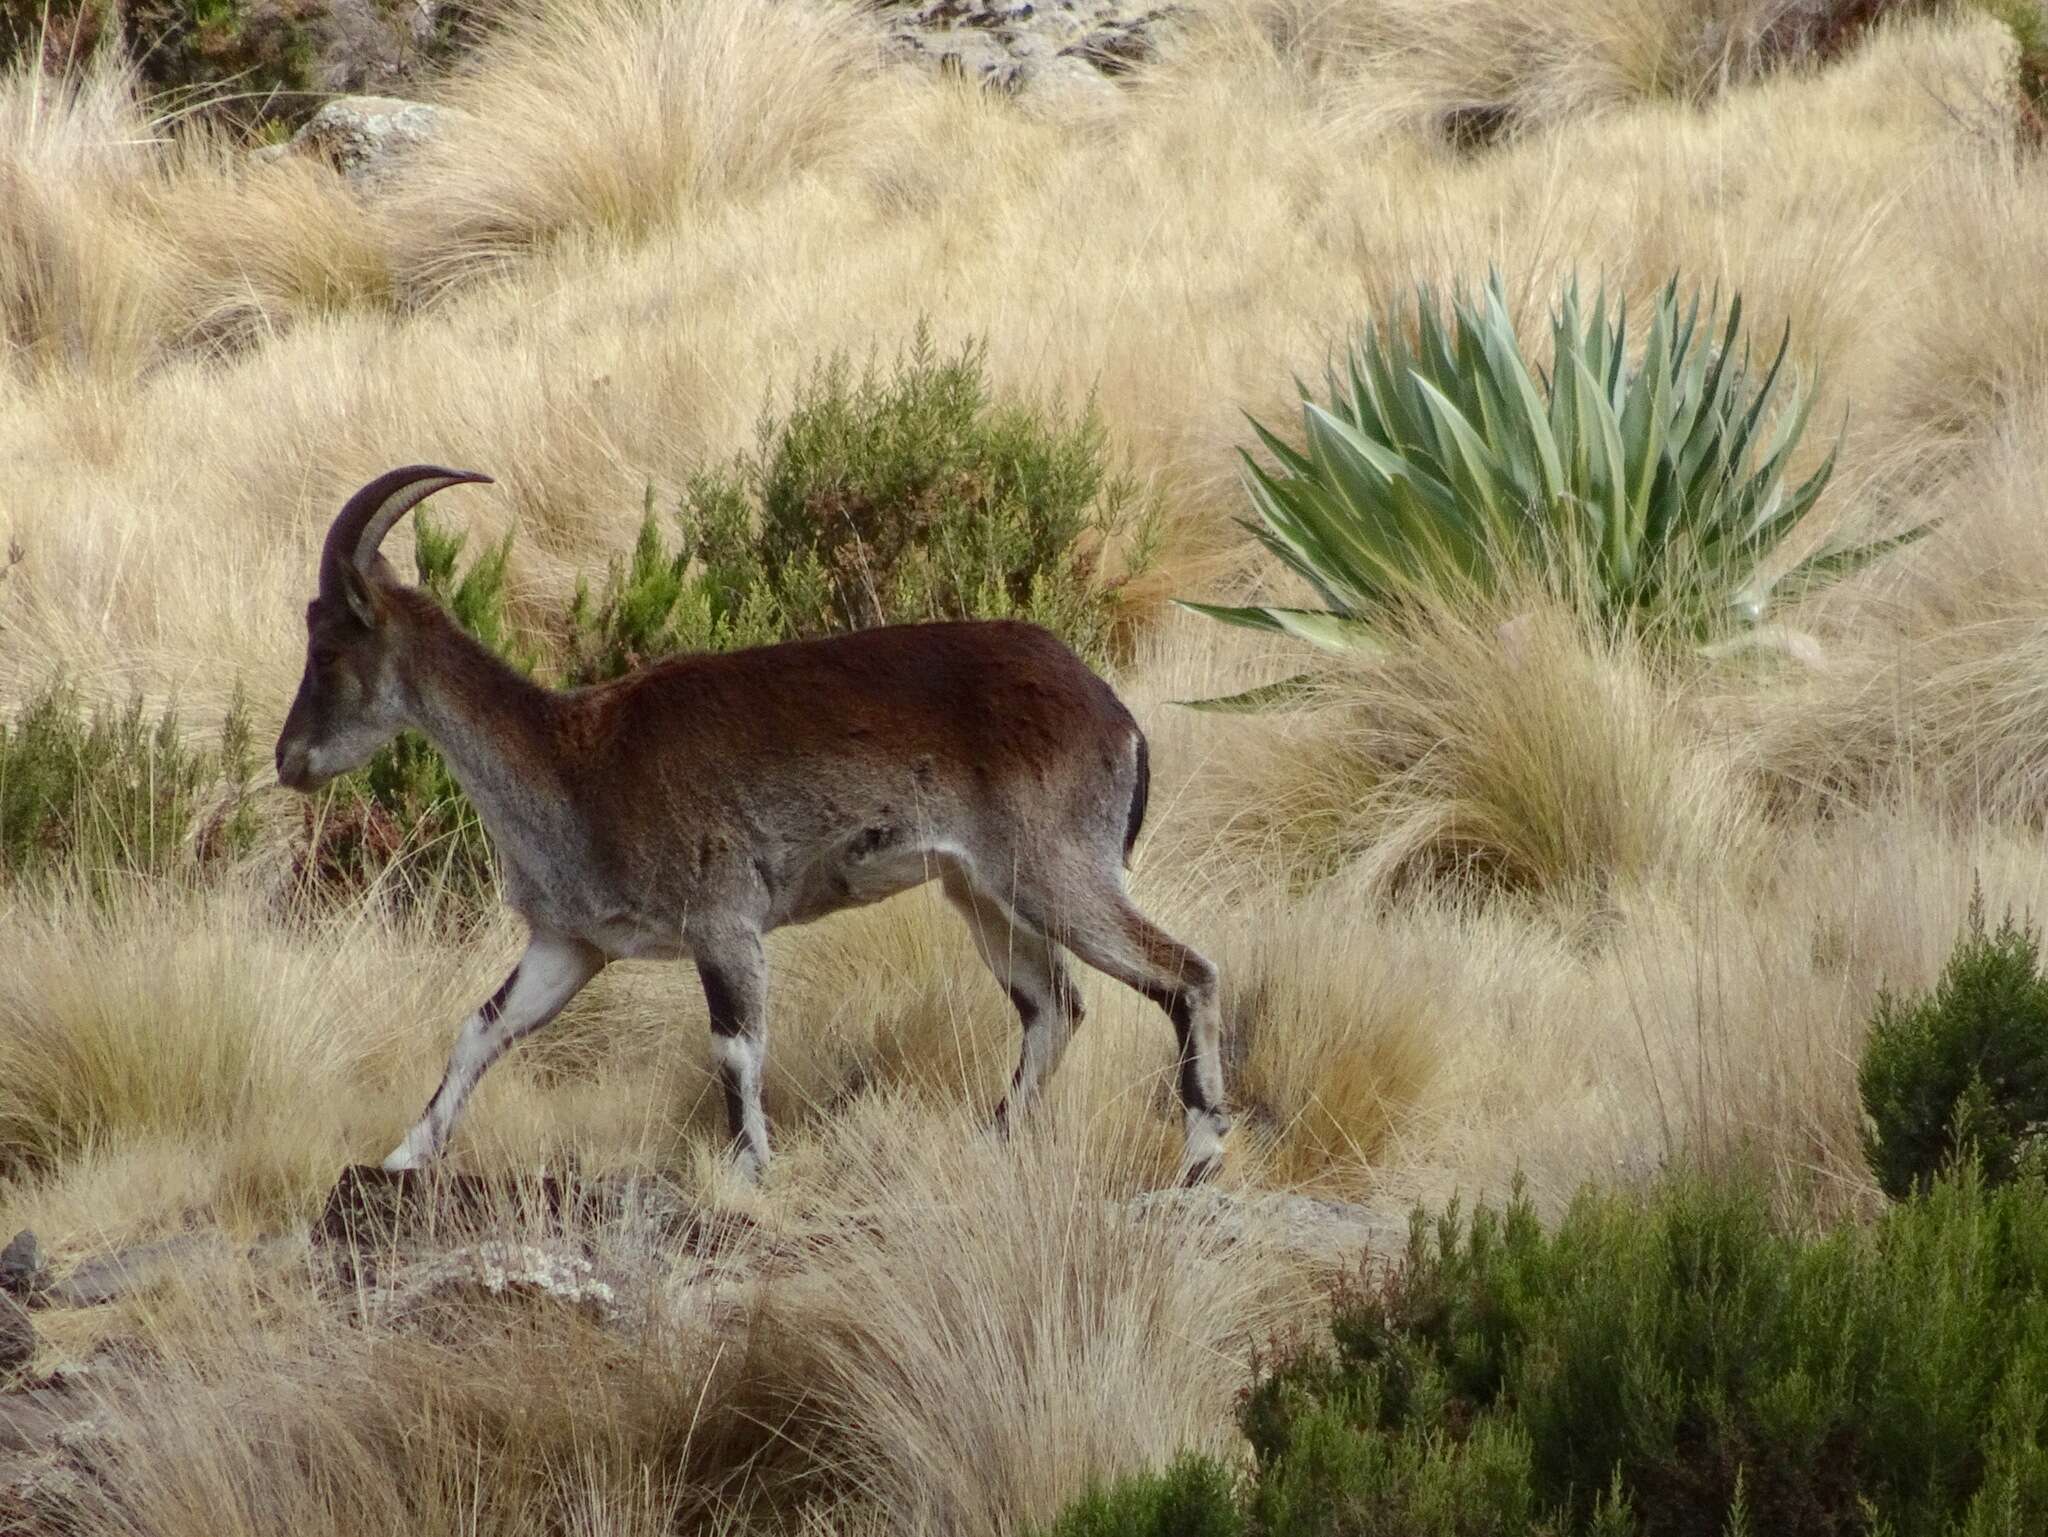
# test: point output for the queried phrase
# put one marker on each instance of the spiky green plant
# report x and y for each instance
(1656, 487)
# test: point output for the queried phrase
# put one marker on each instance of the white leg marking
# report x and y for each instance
(739, 1059)
(550, 973)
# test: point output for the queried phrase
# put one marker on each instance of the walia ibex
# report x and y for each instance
(690, 807)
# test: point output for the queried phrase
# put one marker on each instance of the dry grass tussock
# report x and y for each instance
(1552, 903)
(986, 1338)
(1510, 746)
(1526, 67)
(616, 117)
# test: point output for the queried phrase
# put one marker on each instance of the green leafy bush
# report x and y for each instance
(1648, 488)
(1194, 1497)
(704, 595)
(1962, 1072)
(109, 792)
(919, 495)
(1672, 1363)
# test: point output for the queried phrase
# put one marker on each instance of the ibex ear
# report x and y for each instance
(355, 587)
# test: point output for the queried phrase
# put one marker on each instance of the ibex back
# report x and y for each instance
(687, 809)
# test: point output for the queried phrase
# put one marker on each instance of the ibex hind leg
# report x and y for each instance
(1102, 926)
(1029, 968)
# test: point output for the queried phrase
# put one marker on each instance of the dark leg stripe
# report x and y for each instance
(495, 1004)
(718, 996)
(434, 1097)
(1191, 1092)
(1027, 1010)
(1181, 1011)
(1178, 1008)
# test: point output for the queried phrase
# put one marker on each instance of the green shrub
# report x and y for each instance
(1962, 1071)
(877, 501)
(1194, 1497)
(110, 792)
(1648, 489)
(920, 495)
(702, 596)
(1672, 1363)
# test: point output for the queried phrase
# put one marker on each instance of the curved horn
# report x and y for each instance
(359, 528)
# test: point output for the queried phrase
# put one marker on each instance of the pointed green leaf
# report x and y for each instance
(1266, 696)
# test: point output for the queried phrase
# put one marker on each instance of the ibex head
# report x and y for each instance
(348, 704)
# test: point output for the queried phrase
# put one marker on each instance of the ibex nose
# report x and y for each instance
(291, 765)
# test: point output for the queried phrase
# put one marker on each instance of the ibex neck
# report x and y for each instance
(492, 724)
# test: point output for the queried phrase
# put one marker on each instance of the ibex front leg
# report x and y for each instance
(735, 978)
(550, 973)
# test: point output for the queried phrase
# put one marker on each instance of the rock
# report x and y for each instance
(17, 1337)
(278, 58)
(39, 1492)
(1337, 1234)
(42, 1435)
(373, 45)
(367, 138)
(35, 1421)
(110, 1277)
(497, 1269)
(1019, 45)
(22, 1273)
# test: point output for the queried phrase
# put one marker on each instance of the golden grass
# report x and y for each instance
(616, 117)
(1538, 902)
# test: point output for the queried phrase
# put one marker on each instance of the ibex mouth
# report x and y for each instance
(295, 767)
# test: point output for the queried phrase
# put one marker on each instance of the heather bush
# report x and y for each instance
(1962, 1072)
(1664, 1363)
(108, 791)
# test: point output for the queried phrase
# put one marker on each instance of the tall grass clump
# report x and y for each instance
(522, 1414)
(1961, 1073)
(80, 291)
(1497, 747)
(1656, 490)
(615, 117)
(1000, 1337)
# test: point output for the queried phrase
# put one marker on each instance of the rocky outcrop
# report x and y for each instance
(365, 138)
(245, 60)
(22, 1272)
(1012, 45)
(17, 1338)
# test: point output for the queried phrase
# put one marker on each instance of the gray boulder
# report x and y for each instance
(17, 1338)
(21, 1266)
(365, 138)
(1018, 45)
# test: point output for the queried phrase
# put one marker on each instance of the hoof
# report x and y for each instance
(1201, 1171)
